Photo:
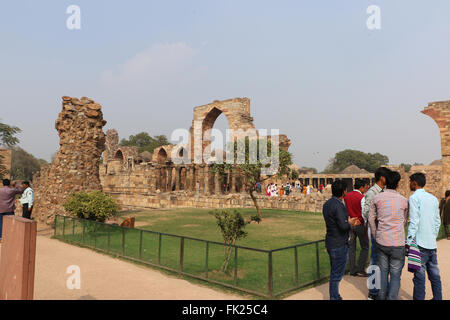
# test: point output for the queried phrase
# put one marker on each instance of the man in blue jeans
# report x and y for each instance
(424, 225)
(380, 183)
(336, 240)
(388, 216)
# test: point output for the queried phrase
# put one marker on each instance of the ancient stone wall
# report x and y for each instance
(433, 175)
(5, 160)
(76, 166)
(131, 200)
(440, 113)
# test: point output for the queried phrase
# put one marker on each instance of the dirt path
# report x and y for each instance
(105, 277)
(355, 288)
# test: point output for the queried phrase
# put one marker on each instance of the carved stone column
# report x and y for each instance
(177, 178)
(217, 183)
(233, 182)
(206, 179)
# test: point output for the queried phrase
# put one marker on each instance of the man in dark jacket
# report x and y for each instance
(336, 241)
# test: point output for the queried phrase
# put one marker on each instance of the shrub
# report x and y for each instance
(93, 205)
(231, 224)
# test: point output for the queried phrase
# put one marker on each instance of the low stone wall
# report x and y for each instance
(130, 200)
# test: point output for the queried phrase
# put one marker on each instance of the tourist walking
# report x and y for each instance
(423, 230)
(380, 183)
(27, 200)
(338, 226)
(7, 196)
(445, 215)
(388, 216)
(353, 204)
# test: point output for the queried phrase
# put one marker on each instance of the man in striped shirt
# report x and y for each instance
(390, 210)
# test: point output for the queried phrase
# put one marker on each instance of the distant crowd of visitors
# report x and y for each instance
(8, 195)
(377, 216)
(274, 190)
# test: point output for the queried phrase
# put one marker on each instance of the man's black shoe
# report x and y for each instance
(372, 297)
(362, 274)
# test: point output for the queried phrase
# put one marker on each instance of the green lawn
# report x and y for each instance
(277, 229)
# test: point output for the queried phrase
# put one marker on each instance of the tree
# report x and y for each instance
(8, 135)
(231, 225)
(250, 172)
(9, 139)
(367, 161)
(408, 166)
(93, 205)
(145, 142)
(24, 164)
(304, 170)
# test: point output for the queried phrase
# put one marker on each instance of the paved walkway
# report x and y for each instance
(355, 288)
(105, 277)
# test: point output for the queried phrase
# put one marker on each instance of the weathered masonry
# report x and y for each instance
(5, 155)
(76, 166)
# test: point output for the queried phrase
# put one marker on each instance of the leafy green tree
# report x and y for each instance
(251, 171)
(24, 164)
(145, 142)
(408, 166)
(93, 205)
(307, 170)
(231, 224)
(367, 161)
(8, 135)
(7, 138)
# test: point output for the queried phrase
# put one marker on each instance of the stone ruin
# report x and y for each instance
(76, 166)
(5, 161)
(139, 181)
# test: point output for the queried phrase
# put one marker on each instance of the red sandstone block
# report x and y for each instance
(17, 261)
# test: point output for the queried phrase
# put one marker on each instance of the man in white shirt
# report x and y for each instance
(27, 200)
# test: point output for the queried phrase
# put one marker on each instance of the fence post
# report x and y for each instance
(56, 223)
(109, 238)
(181, 253)
(270, 275)
(123, 241)
(140, 244)
(206, 262)
(73, 228)
(64, 228)
(84, 228)
(159, 249)
(317, 260)
(296, 265)
(95, 235)
(235, 266)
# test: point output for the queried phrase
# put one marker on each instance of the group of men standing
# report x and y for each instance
(381, 214)
(7, 200)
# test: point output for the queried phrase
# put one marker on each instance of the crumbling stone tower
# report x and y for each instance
(440, 112)
(76, 166)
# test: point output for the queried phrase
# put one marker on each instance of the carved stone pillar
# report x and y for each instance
(233, 182)
(177, 178)
(217, 183)
(206, 175)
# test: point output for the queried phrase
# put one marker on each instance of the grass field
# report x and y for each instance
(278, 229)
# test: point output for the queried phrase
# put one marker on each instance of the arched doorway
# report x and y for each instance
(118, 156)
(162, 156)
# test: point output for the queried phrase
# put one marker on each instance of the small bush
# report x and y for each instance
(93, 205)
(231, 224)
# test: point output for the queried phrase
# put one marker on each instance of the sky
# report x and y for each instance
(312, 69)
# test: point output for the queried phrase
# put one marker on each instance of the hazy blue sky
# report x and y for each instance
(311, 68)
